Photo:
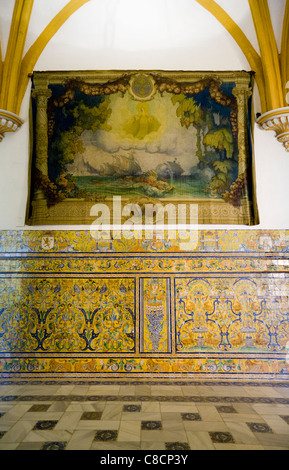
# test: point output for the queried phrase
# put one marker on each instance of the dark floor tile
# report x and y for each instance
(221, 437)
(38, 408)
(145, 398)
(247, 400)
(151, 425)
(110, 398)
(91, 415)
(286, 418)
(9, 398)
(45, 425)
(226, 409)
(131, 408)
(61, 398)
(265, 400)
(54, 446)
(259, 427)
(29, 446)
(281, 401)
(127, 398)
(94, 398)
(2, 433)
(191, 417)
(177, 446)
(196, 399)
(42, 398)
(163, 398)
(2, 414)
(212, 399)
(28, 398)
(230, 399)
(76, 397)
(178, 398)
(106, 435)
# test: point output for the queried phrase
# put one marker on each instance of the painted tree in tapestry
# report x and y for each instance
(144, 137)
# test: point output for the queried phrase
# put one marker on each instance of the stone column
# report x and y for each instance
(39, 203)
(242, 92)
(41, 96)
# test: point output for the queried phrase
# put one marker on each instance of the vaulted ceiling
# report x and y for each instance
(201, 34)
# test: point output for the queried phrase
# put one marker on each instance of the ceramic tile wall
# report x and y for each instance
(213, 307)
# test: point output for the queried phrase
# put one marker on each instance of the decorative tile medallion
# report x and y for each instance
(226, 409)
(151, 425)
(106, 435)
(177, 446)
(54, 446)
(259, 427)
(191, 417)
(222, 437)
(132, 408)
(45, 425)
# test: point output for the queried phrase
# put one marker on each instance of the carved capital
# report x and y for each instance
(9, 122)
(41, 95)
(277, 120)
(242, 92)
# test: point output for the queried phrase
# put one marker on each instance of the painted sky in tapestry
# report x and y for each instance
(148, 137)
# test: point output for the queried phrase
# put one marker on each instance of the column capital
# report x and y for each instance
(242, 91)
(41, 94)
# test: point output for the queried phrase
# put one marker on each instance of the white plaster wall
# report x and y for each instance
(119, 34)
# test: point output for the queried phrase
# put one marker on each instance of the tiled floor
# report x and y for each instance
(158, 416)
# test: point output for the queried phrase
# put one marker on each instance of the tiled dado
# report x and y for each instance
(201, 241)
(74, 307)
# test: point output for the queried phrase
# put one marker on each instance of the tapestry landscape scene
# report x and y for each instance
(146, 137)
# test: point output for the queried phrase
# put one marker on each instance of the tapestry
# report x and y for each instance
(158, 142)
(72, 308)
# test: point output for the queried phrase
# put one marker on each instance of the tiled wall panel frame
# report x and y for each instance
(140, 309)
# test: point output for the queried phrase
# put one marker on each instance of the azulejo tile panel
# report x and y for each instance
(232, 314)
(145, 308)
(67, 315)
(201, 241)
(155, 315)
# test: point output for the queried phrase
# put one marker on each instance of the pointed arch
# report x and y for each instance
(284, 59)
(269, 53)
(243, 42)
(33, 54)
(11, 65)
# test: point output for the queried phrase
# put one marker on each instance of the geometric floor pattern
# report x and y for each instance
(144, 416)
